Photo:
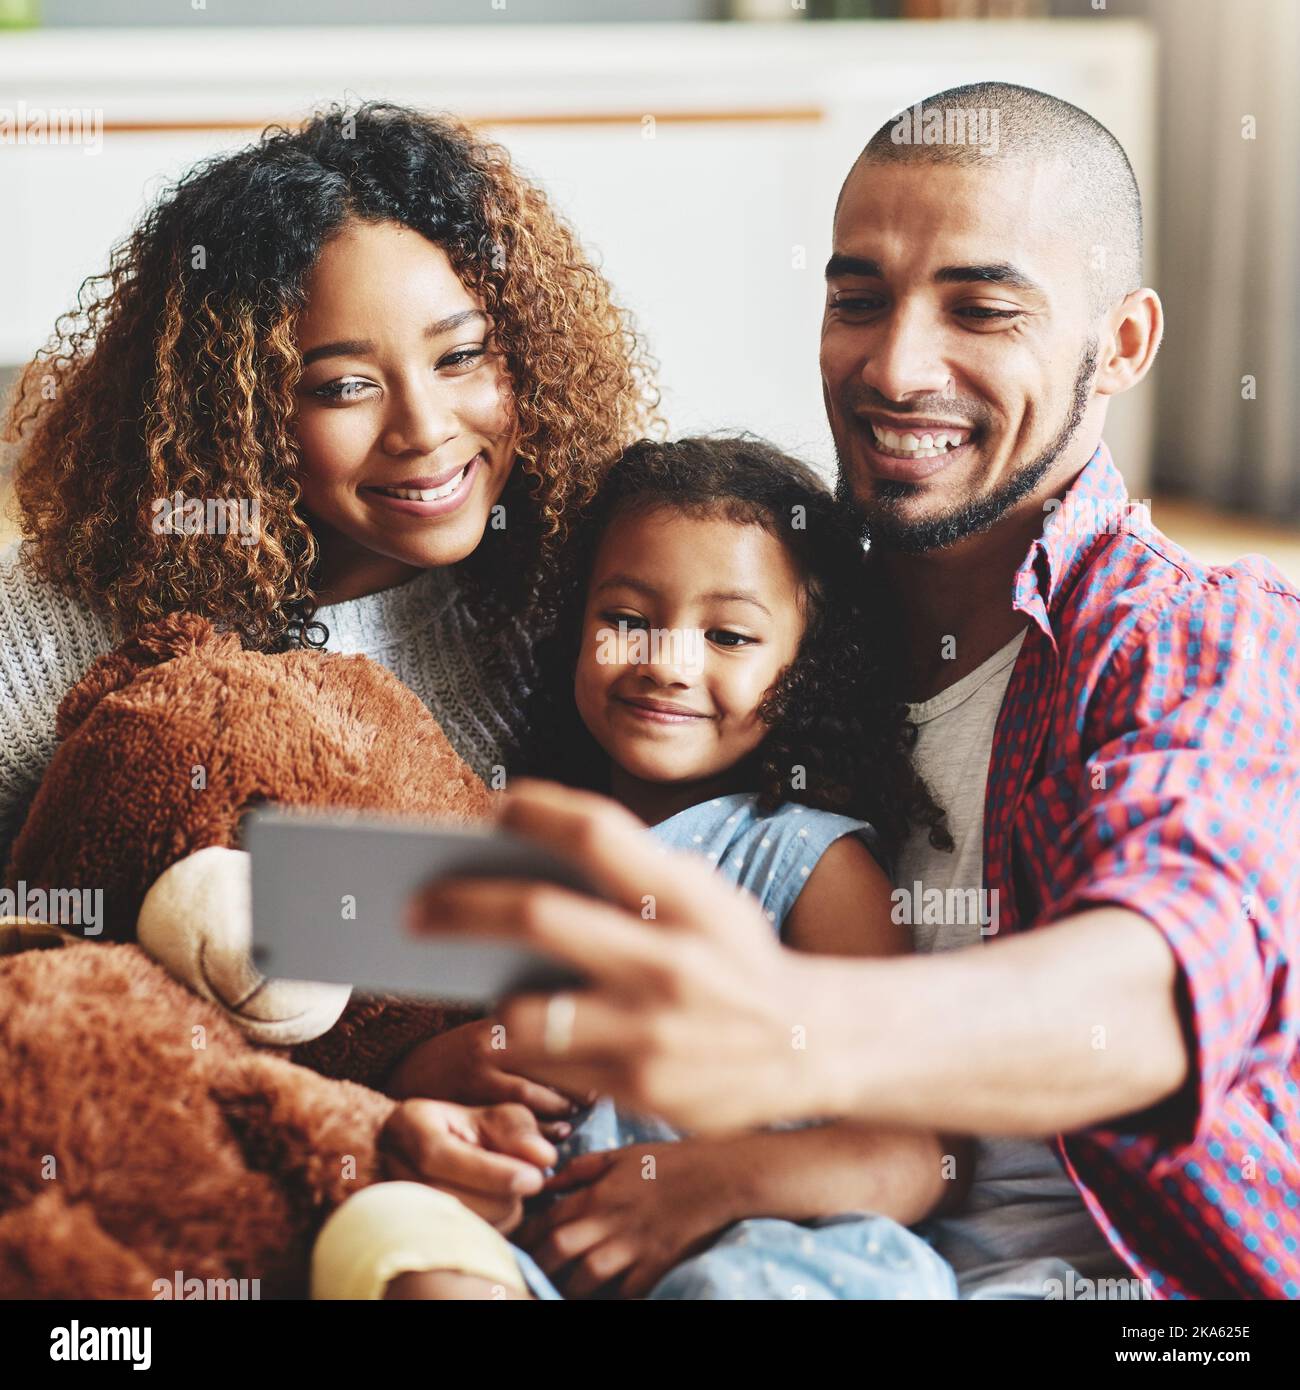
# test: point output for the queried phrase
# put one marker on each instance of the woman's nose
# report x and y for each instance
(420, 422)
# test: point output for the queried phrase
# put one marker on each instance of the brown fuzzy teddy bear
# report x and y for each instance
(149, 1136)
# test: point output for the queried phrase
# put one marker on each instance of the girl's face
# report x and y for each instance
(689, 622)
(406, 424)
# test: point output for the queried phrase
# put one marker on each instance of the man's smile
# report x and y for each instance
(908, 450)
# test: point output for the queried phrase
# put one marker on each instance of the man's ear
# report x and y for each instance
(1134, 328)
(178, 634)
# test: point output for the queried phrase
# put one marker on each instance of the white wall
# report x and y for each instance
(714, 231)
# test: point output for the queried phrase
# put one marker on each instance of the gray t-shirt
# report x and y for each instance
(1023, 1221)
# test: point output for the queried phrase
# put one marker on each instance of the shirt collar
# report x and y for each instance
(1095, 503)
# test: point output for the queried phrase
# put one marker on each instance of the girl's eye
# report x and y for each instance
(346, 388)
(628, 620)
(725, 638)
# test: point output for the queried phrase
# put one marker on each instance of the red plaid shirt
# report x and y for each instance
(1147, 755)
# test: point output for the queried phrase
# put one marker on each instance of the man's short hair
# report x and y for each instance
(1102, 199)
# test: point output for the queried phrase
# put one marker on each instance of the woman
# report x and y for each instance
(342, 388)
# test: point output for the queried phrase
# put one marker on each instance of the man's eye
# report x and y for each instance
(344, 389)
(856, 306)
(725, 638)
(977, 311)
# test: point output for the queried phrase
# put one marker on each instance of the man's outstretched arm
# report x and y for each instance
(1053, 1030)
(698, 1015)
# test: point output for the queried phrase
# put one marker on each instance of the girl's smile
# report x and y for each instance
(658, 711)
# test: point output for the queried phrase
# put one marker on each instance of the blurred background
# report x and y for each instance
(698, 147)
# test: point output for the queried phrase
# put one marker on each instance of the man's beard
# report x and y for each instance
(887, 530)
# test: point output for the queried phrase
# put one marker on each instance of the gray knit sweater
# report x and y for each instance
(422, 631)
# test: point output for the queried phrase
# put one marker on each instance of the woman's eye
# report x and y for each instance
(725, 638)
(462, 357)
(347, 388)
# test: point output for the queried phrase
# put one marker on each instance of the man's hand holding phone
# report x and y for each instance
(490, 1157)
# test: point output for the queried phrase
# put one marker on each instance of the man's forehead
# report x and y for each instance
(976, 213)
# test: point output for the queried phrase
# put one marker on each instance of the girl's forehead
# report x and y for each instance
(666, 523)
(673, 551)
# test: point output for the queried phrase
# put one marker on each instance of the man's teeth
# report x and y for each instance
(427, 494)
(921, 446)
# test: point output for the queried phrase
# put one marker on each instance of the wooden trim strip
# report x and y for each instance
(807, 115)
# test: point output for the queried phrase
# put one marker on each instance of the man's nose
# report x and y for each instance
(904, 358)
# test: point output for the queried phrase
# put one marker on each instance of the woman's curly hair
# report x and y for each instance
(177, 371)
(839, 738)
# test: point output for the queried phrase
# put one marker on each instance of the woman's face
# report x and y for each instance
(406, 424)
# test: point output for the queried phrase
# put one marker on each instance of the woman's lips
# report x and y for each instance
(658, 712)
(435, 506)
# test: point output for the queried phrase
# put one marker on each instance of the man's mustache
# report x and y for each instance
(955, 410)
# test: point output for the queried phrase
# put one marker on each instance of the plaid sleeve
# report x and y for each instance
(1189, 814)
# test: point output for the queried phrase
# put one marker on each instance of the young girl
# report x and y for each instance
(718, 665)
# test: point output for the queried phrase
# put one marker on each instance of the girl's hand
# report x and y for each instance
(464, 1065)
(629, 1215)
(491, 1158)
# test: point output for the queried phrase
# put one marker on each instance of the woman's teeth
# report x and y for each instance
(920, 445)
(428, 494)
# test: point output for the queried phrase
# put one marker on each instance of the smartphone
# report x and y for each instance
(329, 891)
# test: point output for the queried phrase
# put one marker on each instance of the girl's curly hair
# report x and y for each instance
(177, 371)
(835, 712)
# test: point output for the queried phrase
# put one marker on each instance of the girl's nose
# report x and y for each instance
(675, 656)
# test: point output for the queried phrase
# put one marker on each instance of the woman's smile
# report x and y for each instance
(427, 496)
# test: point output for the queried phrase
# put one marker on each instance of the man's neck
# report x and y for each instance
(956, 603)
(956, 614)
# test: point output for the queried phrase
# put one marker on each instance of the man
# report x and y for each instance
(1112, 726)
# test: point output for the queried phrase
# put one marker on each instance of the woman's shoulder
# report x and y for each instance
(42, 625)
(47, 640)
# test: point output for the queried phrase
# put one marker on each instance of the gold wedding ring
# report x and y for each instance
(557, 1036)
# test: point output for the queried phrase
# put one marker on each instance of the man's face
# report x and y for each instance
(956, 345)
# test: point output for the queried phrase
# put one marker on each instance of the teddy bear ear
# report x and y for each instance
(178, 634)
